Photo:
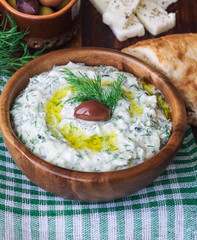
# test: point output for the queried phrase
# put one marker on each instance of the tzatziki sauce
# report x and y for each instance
(43, 119)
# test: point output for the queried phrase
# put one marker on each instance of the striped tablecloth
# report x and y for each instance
(165, 210)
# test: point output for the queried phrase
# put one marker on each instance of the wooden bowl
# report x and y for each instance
(91, 186)
(50, 30)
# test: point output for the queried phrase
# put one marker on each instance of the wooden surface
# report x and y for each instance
(95, 33)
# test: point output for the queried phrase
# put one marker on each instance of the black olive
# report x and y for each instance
(28, 6)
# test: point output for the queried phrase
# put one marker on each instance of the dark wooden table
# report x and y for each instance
(95, 33)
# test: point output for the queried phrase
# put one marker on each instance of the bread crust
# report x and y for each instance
(176, 57)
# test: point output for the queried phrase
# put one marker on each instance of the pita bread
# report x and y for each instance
(176, 57)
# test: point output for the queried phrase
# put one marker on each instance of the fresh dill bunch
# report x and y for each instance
(14, 52)
(91, 89)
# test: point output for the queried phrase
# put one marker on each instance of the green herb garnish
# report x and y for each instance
(13, 49)
(91, 89)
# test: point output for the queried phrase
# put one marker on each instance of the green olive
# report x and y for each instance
(63, 4)
(12, 3)
(44, 10)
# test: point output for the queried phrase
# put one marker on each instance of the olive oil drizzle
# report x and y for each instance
(161, 102)
(76, 137)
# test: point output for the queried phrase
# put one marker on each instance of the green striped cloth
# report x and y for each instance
(165, 210)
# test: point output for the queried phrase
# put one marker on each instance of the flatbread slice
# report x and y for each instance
(176, 57)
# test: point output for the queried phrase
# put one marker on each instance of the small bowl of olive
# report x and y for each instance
(50, 23)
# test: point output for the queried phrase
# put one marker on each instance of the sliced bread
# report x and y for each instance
(176, 57)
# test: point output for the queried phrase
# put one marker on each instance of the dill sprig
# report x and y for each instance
(14, 52)
(91, 89)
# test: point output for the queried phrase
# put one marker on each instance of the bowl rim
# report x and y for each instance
(153, 162)
(60, 12)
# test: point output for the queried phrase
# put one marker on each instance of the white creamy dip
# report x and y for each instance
(44, 122)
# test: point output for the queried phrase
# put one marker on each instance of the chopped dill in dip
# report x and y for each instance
(43, 119)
